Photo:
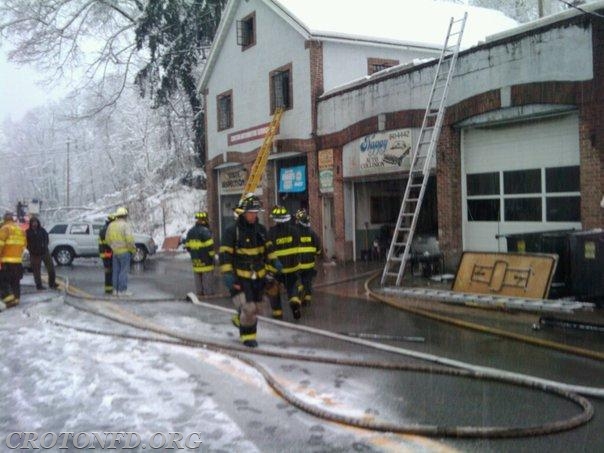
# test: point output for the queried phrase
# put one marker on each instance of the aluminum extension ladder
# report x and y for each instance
(422, 155)
(259, 164)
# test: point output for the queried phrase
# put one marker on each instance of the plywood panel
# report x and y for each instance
(506, 274)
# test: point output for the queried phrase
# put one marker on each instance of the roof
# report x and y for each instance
(404, 23)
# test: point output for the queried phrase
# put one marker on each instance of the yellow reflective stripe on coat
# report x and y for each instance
(228, 267)
(196, 244)
(309, 249)
(283, 252)
(11, 260)
(252, 251)
(226, 249)
(249, 336)
(306, 266)
(248, 274)
(202, 269)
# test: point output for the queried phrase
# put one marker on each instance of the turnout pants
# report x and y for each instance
(247, 303)
(204, 284)
(108, 267)
(10, 282)
(36, 267)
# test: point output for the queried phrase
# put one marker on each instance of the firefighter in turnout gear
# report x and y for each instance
(282, 261)
(243, 266)
(309, 249)
(106, 255)
(12, 243)
(200, 245)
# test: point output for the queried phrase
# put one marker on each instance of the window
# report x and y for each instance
(78, 228)
(563, 187)
(482, 206)
(60, 228)
(281, 88)
(522, 181)
(224, 109)
(379, 64)
(531, 195)
(246, 31)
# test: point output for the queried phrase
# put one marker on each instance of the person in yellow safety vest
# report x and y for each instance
(282, 248)
(106, 254)
(200, 245)
(310, 248)
(243, 266)
(12, 244)
(121, 240)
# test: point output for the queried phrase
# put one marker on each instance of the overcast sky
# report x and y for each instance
(18, 89)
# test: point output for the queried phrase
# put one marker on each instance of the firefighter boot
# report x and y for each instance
(294, 303)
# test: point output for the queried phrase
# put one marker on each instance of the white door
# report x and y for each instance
(518, 178)
(329, 243)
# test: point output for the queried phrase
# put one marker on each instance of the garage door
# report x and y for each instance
(519, 177)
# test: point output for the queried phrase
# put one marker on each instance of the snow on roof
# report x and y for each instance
(404, 21)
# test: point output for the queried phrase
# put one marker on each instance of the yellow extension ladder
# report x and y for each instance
(262, 157)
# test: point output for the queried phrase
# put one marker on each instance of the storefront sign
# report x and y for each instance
(249, 134)
(325, 161)
(382, 152)
(292, 179)
(232, 181)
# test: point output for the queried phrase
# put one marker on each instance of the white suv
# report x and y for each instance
(81, 239)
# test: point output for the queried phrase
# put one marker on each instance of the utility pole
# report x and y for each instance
(67, 201)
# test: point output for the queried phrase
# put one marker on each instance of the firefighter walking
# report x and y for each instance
(243, 266)
(310, 247)
(282, 262)
(200, 245)
(12, 244)
(106, 255)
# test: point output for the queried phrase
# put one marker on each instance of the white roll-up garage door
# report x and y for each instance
(519, 177)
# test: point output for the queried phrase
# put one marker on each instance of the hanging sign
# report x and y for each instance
(292, 179)
(382, 152)
(232, 180)
(325, 163)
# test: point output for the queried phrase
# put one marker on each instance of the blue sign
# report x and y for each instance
(292, 179)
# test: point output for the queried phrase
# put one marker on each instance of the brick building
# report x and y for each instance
(289, 52)
(521, 149)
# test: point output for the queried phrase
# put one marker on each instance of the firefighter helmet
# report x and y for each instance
(250, 203)
(121, 212)
(110, 217)
(201, 216)
(302, 217)
(279, 214)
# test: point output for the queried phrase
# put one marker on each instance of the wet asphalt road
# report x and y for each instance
(268, 421)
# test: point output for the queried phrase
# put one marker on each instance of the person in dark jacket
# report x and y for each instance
(243, 266)
(106, 254)
(200, 245)
(282, 248)
(37, 244)
(310, 247)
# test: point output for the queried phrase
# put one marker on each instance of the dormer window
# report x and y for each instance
(246, 31)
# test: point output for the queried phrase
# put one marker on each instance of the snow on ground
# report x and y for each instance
(167, 211)
(55, 379)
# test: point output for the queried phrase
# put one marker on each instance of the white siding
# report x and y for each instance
(247, 74)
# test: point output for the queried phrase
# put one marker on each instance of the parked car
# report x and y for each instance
(81, 239)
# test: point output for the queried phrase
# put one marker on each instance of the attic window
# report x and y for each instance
(246, 31)
(379, 64)
(281, 88)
